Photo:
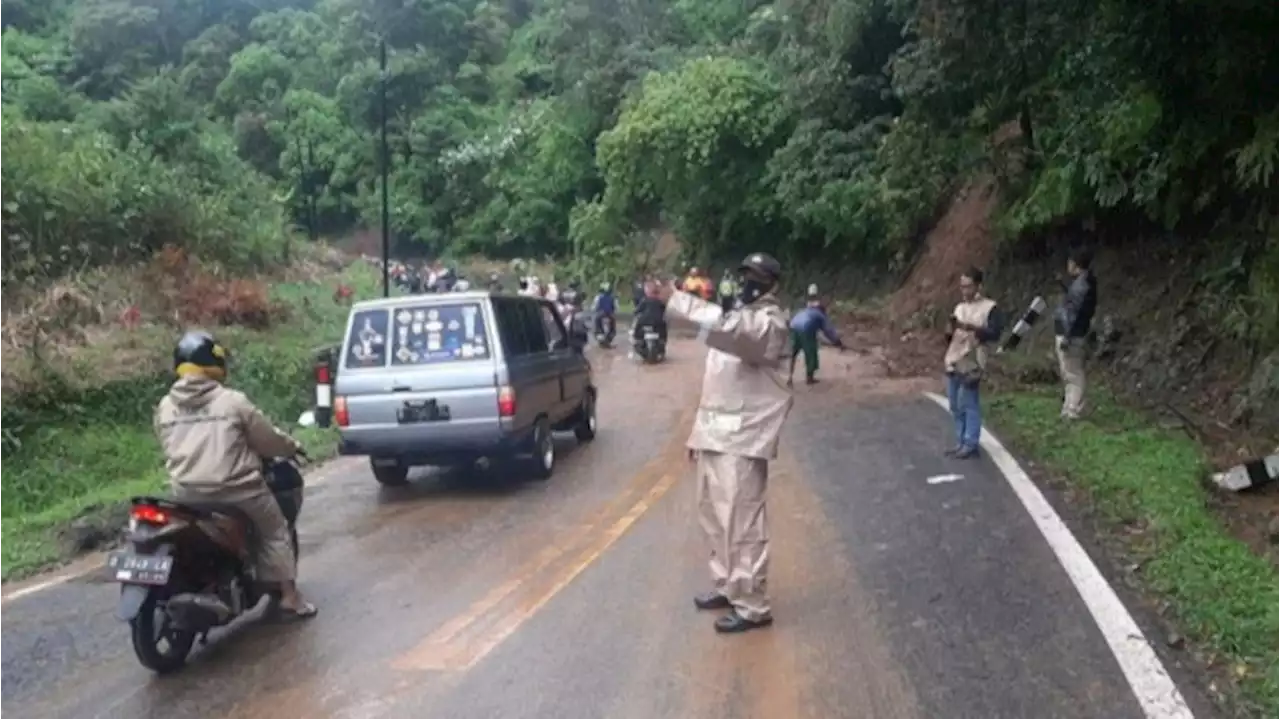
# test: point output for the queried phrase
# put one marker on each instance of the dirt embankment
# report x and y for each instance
(107, 323)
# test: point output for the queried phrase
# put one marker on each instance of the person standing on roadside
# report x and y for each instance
(1071, 323)
(805, 326)
(975, 323)
(744, 404)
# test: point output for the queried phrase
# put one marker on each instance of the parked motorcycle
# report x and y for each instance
(188, 568)
(650, 347)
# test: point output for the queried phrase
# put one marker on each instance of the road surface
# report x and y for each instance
(895, 596)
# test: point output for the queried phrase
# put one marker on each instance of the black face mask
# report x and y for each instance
(752, 290)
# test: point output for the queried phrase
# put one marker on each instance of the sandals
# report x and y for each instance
(306, 611)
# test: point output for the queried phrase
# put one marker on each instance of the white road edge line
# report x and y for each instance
(943, 478)
(1147, 677)
(90, 563)
(46, 584)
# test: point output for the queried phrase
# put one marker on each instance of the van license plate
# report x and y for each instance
(427, 410)
(651, 335)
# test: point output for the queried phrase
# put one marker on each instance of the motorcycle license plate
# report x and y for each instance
(139, 569)
(650, 335)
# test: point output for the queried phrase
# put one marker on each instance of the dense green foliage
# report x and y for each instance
(829, 127)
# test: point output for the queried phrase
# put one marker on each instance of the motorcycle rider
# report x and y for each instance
(637, 290)
(214, 440)
(605, 307)
(744, 404)
(571, 301)
(651, 312)
(572, 295)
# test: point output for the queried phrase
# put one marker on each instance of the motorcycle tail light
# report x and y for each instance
(149, 514)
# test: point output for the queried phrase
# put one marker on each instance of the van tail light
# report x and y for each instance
(149, 514)
(506, 402)
(341, 415)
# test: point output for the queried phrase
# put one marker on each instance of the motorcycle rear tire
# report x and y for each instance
(142, 630)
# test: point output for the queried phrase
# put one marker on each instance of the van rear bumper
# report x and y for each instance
(429, 446)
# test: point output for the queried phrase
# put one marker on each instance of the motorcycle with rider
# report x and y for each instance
(604, 311)
(649, 329)
(226, 536)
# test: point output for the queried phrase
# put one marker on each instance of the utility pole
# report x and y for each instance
(386, 166)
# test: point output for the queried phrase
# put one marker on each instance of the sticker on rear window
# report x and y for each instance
(427, 334)
(367, 343)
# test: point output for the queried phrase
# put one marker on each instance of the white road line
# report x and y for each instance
(62, 578)
(90, 563)
(1147, 677)
(944, 478)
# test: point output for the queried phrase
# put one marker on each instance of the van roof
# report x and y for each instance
(432, 298)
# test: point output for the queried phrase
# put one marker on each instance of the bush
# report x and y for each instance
(72, 197)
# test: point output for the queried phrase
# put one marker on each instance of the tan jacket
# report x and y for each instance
(214, 440)
(745, 399)
(967, 354)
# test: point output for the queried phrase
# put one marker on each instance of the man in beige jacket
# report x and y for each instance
(745, 401)
(214, 440)
(975, 323)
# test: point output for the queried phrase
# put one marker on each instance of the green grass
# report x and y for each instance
(1225, 597)
(91, 450)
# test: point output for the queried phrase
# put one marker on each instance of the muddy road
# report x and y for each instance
(462, 596)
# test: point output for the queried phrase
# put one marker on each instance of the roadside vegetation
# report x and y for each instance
(1147, 482)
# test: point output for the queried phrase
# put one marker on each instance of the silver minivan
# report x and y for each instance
(446, 379)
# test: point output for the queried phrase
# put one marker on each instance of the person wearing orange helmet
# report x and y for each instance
(696, 284)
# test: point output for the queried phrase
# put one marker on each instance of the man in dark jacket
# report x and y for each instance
(1071, 323)
(650, 312)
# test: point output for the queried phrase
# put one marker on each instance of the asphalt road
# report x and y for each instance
(461, 597)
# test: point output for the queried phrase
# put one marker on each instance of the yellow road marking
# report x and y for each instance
(441, 652)
(438, 649)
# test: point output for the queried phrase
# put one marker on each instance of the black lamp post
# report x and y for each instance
(386, 164)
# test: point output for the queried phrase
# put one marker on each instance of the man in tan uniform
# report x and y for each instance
(745, 401)
(975, 323)
(214, 441)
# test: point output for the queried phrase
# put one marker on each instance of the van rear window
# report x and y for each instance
(431, 333)
(417, 335)
(367, 344)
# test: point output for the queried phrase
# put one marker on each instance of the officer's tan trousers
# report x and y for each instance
(731, 509)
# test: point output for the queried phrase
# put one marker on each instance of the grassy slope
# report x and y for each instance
(85, 458)
(1147, 479)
